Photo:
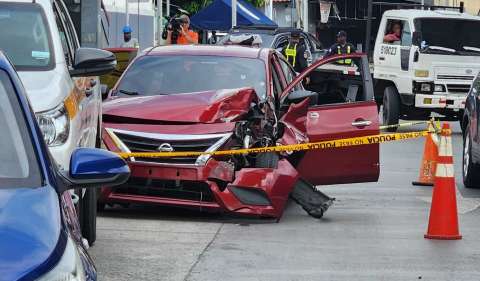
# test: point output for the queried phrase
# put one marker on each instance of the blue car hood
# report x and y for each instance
(30, 226)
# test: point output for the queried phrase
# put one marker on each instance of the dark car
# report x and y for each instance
(209, 98)
(471, 137)
(277, 38)
(40, 232)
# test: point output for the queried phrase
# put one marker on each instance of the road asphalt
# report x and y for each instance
(373, 231)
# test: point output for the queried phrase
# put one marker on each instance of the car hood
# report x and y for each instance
(200, 107)
(29, 229)
(45, 89)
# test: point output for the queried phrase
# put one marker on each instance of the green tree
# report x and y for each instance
(194, 6)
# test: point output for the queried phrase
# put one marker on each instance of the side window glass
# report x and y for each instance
(72, 37)
(289, 74)
(277, 86)
(63, 39)
(406, 35)
(393, 32)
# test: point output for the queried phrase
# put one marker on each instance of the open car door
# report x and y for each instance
(342, 106)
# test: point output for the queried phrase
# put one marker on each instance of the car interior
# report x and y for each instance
(337, 84)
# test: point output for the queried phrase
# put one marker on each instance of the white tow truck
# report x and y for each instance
(432, 66)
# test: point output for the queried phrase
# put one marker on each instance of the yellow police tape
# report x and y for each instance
(356, 141)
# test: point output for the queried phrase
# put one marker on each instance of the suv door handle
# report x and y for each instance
(361, 123)
(381, 58)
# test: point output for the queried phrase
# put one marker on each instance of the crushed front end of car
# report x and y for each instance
(207, 121)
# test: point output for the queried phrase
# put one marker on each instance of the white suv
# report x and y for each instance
(61, 80)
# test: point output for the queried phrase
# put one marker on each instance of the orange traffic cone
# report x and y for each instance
(443, 222)
(429, 161)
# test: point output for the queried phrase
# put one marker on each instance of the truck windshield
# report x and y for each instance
(19, 166)
(449, 36)
(25, 36)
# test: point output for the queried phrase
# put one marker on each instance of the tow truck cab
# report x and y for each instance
(432, 66)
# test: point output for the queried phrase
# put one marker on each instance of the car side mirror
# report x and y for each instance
(92, 62)
(93, 168)
(104, 91)
(417, 38)
(300, 95)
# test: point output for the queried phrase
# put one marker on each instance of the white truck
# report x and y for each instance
(432, 66)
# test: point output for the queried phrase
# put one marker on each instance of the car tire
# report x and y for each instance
(470, 170)
(89, 205)
(267, 160)
(88, 221)
(391, 107)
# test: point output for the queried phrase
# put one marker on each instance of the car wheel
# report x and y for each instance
(470, 169)
(88, 221)
(391, 107)
(267, 160)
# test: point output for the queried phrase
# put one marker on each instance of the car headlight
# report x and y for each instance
(69, 268)
(425, 87)
(55, 125)
(439, 88)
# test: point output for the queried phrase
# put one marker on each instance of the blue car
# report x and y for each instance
(471, 137)
(40, 237)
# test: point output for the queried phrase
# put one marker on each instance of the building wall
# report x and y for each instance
(284, 15)
(471, 6)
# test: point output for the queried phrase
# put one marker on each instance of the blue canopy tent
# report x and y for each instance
(218, 16)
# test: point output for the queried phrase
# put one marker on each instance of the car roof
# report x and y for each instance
(210, 50)
(264, 29)
(414, 13)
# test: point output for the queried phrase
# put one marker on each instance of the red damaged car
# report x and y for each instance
(208, 98)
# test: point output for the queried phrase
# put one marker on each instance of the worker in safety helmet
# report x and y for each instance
(296, 51)
(342, 47)
(128, 41)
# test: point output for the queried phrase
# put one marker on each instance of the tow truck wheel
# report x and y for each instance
(470, 170)
(391, 107)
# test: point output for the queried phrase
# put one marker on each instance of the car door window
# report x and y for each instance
(70, 30)
(67, 50)
(288, 73)
(406, 35)
(276, 80)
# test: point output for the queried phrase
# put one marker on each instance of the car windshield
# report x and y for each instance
(25, 36)
(164, 75)
(450, 36)
(19, 167)
(267, 39)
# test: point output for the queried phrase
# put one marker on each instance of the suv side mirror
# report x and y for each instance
(417, 38)
(92, 62)
(93, 168)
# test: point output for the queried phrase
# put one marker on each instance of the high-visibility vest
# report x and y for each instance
(345, 61)
(291, 53)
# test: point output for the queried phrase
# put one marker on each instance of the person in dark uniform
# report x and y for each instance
(342, 47)
(296, 51)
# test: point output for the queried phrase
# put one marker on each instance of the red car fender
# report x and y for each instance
(275, 184)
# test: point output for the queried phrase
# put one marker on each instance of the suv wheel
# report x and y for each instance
(88, 219)
(391, 107)
(470, 170)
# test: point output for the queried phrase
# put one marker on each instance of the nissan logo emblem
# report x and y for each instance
(165, 147)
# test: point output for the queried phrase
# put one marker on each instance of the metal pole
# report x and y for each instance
(127, 19)
(159, 21)
(168, 7)
(234, 13)
(369, 27)
(270, 9)
(305, 15)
